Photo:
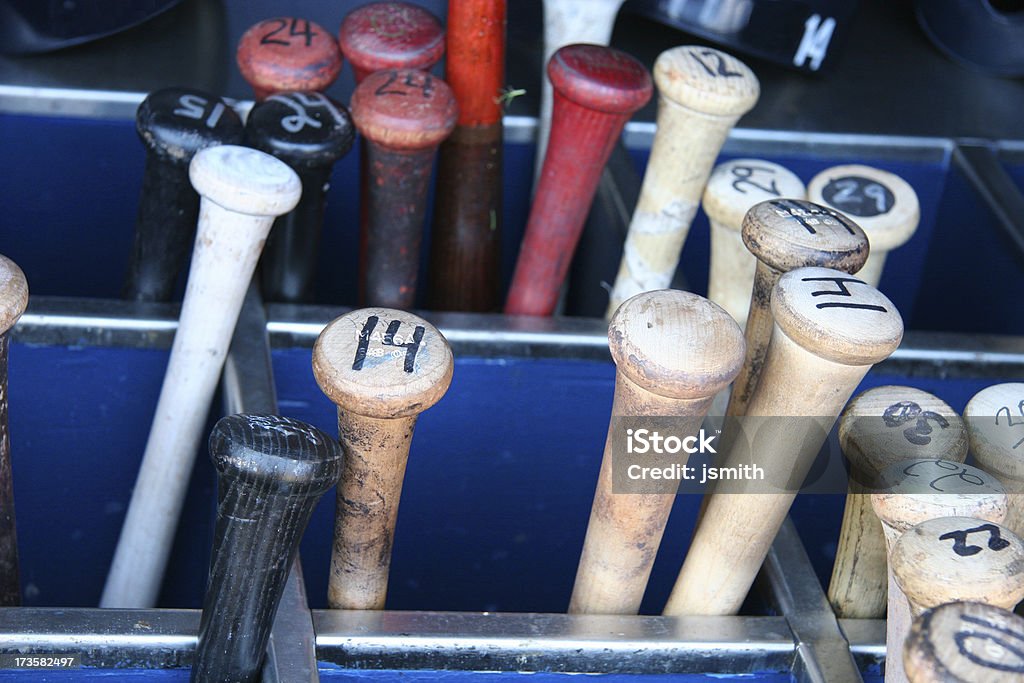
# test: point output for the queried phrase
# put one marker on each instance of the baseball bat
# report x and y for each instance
(884, 205)
(992, 417)
(702, 93)
(879, 427)
(390, 35)
(271, 472)
(381, 368)
(965, 642)
(732, 189)
(465, 257)
(13, 300)
(597, 89)
(403, 115)
(309, 132)
(173, 124)
(673, 352)
(784, 234)
(914, 491)
(287, 53)
(829, 330)
(567, 22)
(956, 558)
(242, 191)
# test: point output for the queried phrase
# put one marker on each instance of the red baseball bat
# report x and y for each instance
(287, 53)
(390, 35)
(597, 89)
(465, 257)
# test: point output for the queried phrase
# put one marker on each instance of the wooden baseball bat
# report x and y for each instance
(242, 191)
(271, 472)
(965, 642)
(673, 352)
(287, 53)
(382, 368)
(914, 491)
(597, 89)
(13, 300)
(173, 124)
(884, 205)
(309, 132)
(879, 427)
(829, 330)
(465, 251)
(390, 35)
(784, 234)
(732, 189)
(403, 115)
(956, 558)
(567, 22)
(702, 93)
(993, 416)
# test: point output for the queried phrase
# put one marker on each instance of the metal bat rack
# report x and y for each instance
(805, 638)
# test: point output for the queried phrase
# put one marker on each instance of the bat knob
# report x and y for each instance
(676, 344)
(382, 363)
(245, 180)
(792, 233)
(286, 53)
(303, 129)
(992, 416)
(836, 316)
(735, 186)
(175, 123)
(959, 558)
(600, 78)
(13, 293)
(706, 80)
(390, 35)
(404, 109)
(275, 454)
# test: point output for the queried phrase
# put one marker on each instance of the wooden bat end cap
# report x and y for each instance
(735, 186)
(390, 35)
(175, 123)
(836, 316)
(404, 109)
(382, 363)
(245, 180)
(276, 453)
(288, 53)
(303, 129)
(965, 642)
(994, 419)
(792, 233)
(882, 203)
(959, 558)
(888, 424)
(601, 78)
(13, 293)
(676, 344)
(706, 80)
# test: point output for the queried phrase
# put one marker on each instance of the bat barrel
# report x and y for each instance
(465, 259)
(288, 53)
(242, 190)
(173, 124)
(309, 132)
(597, 89)
(272, 471)
(13, 300)
(403, 115)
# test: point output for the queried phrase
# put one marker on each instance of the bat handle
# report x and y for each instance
(272, 471)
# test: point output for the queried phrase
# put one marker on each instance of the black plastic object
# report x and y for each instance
(28, 26)
(174, 124)
(799, 34)
(272, 471)
(987, 35)
(309, 132)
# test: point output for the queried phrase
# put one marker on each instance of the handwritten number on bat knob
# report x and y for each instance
(995, 540)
